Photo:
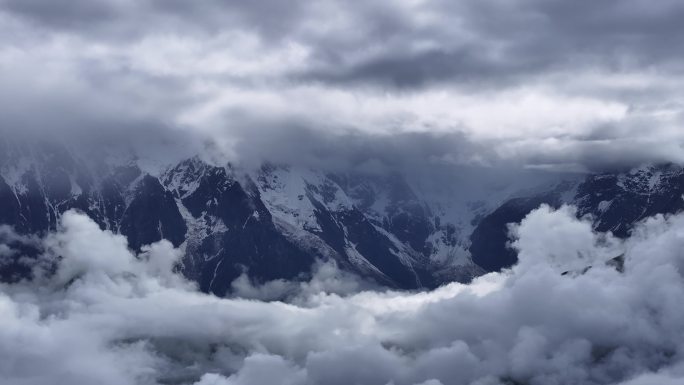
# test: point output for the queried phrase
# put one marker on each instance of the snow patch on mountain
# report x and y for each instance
(287, 196)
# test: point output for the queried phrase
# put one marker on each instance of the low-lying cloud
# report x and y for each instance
(97, 313)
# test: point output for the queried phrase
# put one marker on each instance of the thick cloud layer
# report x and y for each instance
(553, 84)
(107, 316)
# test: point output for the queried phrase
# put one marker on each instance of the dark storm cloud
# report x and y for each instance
(353, 149)
(105, 19)
(496, 44)
(63, 14)
(417, 70)
(467, 42)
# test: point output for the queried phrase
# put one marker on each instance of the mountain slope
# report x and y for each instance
(274, 222)
(615, 202)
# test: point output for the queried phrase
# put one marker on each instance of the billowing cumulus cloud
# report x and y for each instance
(96, 313)
(548, 84)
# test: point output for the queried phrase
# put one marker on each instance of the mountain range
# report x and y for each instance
(275, 221)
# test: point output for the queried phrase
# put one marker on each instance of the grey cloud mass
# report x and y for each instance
(97, 313)
(532, 83)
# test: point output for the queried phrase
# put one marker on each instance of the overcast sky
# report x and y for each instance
(542, 83)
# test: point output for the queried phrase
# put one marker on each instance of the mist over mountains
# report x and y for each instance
(407, 227)
(399, 230)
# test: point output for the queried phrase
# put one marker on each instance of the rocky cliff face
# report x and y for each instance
(276, 221)
(273, 223)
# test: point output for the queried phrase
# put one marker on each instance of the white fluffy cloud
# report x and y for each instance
(110, 317)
